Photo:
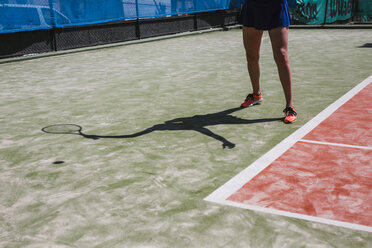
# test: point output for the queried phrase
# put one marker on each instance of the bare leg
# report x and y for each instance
(252, 43)
(279, 43)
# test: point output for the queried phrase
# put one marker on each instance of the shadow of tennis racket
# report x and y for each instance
(67, 129)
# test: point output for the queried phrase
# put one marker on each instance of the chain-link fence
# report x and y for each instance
(38, 26)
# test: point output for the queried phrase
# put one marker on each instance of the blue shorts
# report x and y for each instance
(265, 14)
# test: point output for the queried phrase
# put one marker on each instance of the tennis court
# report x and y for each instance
(162, 131)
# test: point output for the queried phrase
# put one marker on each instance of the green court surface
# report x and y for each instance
(67, 190)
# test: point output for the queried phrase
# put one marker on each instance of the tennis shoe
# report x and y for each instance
(252, 99)
(290, 115)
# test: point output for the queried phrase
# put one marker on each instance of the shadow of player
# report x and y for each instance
(196, 123)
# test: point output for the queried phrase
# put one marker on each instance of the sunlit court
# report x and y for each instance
(161, 130)
(143, 143)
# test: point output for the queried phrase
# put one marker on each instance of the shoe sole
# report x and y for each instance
(288, 122)
(258, 102)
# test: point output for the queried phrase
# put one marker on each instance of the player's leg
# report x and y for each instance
(252, 43)
(279, 43)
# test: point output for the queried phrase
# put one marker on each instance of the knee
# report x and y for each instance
(281, 57)
(252, 57)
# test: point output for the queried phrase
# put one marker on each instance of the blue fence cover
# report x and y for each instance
(236, 3)
(24, 15)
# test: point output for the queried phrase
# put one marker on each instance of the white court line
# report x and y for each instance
(335, 144)
(300, 216)
(222, 193)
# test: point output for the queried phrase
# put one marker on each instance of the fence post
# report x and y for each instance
(325, 13)
(195, 16)
(138, 33)
(353, 10)
(53, 42)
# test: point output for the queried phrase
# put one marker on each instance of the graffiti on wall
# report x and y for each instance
(320, 11)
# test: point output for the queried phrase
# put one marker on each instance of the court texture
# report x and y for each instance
(166, 158)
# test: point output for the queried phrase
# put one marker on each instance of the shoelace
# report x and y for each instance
(250, 96)
(289, 111)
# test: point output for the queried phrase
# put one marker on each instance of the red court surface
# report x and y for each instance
(351, 124)
(322, 172)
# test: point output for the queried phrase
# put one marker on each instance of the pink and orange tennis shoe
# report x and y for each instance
(290, 115)
(252, 99)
